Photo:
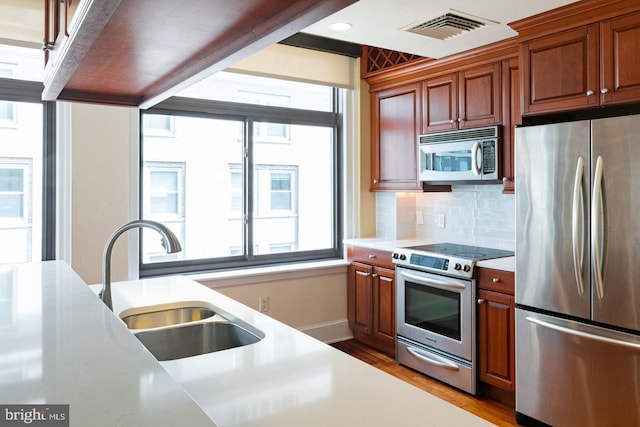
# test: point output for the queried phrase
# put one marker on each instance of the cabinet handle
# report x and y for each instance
(371, 256)
(47, 45)
(495, 280)
(375, 181)
(451, 121)
(374, 275)
(460, 120)
(590, 92)
(604, 90)
(480, 300)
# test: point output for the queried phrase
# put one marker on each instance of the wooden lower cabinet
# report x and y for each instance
(496, 328)
(371, 299)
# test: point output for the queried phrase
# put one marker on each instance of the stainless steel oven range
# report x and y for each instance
(436, 316)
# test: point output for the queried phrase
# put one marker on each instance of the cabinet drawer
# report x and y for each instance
(374, 257)
(496, 280)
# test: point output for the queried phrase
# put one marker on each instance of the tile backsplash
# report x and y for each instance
(470, 214)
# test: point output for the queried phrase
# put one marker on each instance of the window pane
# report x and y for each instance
(21, 147)
(21, 63)
(207, 225)
(164, 192)
(233, 87)
(293, 206)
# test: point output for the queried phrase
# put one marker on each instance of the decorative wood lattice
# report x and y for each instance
(378, 59)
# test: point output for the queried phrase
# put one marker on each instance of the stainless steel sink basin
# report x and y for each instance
(195, 339)
(158, 316)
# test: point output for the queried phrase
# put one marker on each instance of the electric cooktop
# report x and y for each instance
(476, 253)
(450, 259)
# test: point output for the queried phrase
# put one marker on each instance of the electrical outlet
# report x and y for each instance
(440, 220)
(263, 304)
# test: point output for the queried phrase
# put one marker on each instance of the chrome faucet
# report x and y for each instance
(169, 242)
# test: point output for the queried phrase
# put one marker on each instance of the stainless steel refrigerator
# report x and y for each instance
(578, 273)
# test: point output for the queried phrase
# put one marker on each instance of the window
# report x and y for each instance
(159, 125)
(281, 194)
(245, 202)
(12, 192)
(7, 108)
(164, 189)
(27, 159)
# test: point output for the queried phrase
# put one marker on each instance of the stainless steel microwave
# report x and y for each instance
(471, 156)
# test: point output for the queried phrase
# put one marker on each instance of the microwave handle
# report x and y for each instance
(475, 165)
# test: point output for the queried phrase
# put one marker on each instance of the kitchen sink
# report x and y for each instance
(194, 339)
(163, 315)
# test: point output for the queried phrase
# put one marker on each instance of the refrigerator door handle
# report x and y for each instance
(582, 334)
(597, 226)
(577, 225)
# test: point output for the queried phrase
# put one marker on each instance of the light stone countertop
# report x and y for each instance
(61, 345)
(288, 379)
(506, 264)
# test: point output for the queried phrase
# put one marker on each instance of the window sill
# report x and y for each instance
(270, 274)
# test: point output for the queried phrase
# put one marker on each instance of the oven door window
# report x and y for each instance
(433, 309)
(452, 161)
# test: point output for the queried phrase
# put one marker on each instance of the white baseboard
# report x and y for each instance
(329, 332)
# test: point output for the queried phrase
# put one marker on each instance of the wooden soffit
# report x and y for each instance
(140, 52)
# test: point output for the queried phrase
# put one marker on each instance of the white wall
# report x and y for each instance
(100, 140)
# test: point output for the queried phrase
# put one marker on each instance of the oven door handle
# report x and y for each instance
(433, 282)
(433, 359)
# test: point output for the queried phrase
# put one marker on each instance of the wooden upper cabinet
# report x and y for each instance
(440, 103)
(620, 47)
(512, 116)
(480, 96)
(560, 71)
(396, 126)
(469, 98)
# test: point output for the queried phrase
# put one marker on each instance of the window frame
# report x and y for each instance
(251, 114)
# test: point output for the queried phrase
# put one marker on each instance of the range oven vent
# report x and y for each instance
(461, 135)
(446, 25)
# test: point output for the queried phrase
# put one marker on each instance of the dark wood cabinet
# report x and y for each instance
(440, 103)
(620, 47)
(395, 129)
(560, 71)
(496, 328)
(371, 298)
(592, 65)
(468, 98)
(512, 116)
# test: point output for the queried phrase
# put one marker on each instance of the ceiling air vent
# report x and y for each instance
(446, 25)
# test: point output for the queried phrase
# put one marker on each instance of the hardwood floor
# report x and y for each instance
(483, 407)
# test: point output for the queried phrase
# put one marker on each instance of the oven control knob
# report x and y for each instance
(395, 255)
(467, 268)
(403, 257)
(457, 266)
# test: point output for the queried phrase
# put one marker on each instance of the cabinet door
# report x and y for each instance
(496, 331)
(620, 47)
(360, 298)
(512, 117)
(384, 320)
(480, 96)
(440, 103)
(560, 71)
(394, 140)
